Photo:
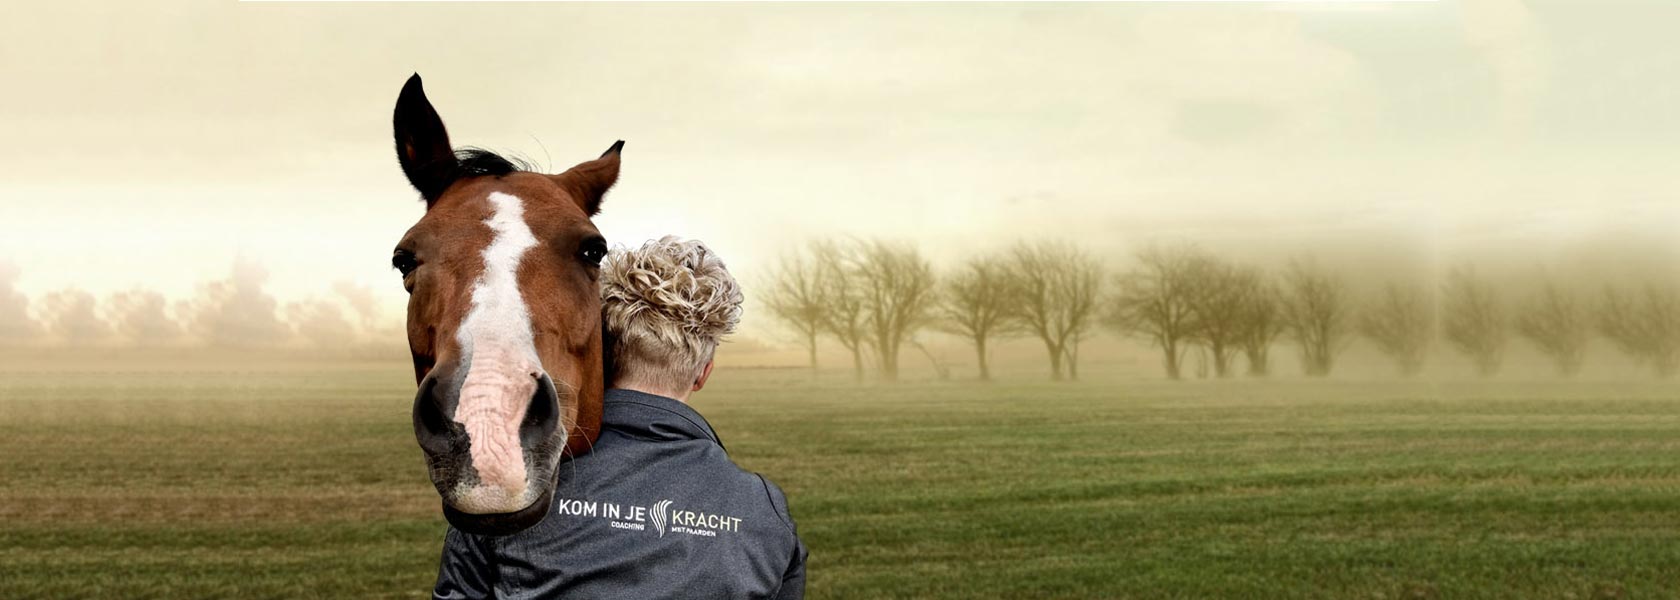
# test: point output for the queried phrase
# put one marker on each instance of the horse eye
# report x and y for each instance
(593, 251)
(404, 262)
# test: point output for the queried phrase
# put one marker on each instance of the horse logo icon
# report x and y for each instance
(659, 509)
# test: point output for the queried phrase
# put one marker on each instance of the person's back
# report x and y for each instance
(656, 509)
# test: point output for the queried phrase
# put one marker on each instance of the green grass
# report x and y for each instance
(307, 483)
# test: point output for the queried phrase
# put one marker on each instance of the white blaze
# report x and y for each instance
(501, 377)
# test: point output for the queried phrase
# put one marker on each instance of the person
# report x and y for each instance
(656, 509)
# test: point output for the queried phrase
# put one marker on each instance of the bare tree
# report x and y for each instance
(1557, 323)
(836, 281)
(794, 295)
(1646, 326)
(1473, 320)
(897, 288)
(1262, 320)
(1156, 301)
(1401, 323)
(1056, 287)
(1218, 292)
(1079, 287)
(974, 304)
(1318, 314)
(1070, 352)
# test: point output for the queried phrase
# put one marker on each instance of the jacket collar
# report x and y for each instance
(654, 417)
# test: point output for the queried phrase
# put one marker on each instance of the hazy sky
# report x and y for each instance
(150, 143)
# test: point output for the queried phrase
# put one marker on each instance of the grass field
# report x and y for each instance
(307, 483)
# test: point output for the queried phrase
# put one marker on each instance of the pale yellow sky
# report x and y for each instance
(149, 144)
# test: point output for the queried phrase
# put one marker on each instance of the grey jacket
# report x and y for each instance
(656, 510)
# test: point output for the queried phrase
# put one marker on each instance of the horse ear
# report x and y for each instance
(589, 182)
(422, 143)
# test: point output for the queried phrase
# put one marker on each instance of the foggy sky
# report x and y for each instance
(150, 144)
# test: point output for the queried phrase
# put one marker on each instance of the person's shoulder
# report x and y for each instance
(779, 504)
(777, 498)
(750, 486)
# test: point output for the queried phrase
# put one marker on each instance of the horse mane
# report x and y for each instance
(478, 161)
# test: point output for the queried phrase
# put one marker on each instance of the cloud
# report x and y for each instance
(15, 323)
(72, 315)
(237, 311)
(141, 316)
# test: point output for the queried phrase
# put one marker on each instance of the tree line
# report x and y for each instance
(232, 312)
(874, 296)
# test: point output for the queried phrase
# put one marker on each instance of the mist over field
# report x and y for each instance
(348, 320)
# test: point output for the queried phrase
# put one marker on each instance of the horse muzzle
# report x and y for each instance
(492, 441)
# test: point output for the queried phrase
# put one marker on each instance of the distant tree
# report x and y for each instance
(1056, 287)
(1080, 288)
(237, 312)
(1473, 320)
(843, 300)
(16, 324)
(1557, 323)
(897, 289)
(1155, 301)
(363, 303)
(142, 316)
(1263, 320)
(975, 303)
(1218, 295)
(794, 295)
(322, 323)
(1071, 352)
(1318, 314)
(1401, 322)
(73, 316)
(1644, 325)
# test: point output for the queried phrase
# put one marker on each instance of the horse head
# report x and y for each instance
(504, 319)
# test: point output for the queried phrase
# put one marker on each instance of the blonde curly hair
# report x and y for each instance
(666, 305)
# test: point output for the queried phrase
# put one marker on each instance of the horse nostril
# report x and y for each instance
(431, 425)
(543, 415)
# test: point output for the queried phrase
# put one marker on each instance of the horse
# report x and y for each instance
(504, 319)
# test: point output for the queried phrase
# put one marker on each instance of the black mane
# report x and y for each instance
(478, 161)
